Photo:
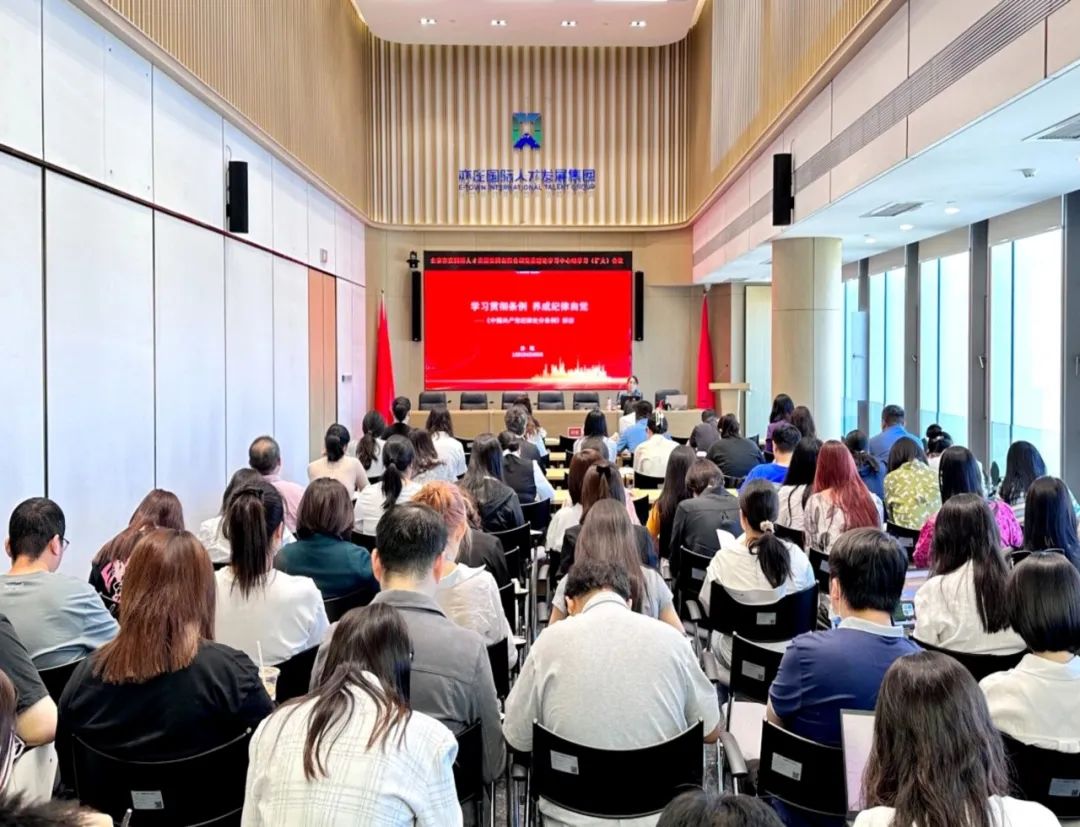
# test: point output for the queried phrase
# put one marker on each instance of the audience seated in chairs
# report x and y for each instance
(782, 408)
(525, 476)
(630, 438)
(158, 509)
(1050, 522)
(697, 808)
(324, 551)
(662, 514)
(784, 439)
(892, 429)
(596, 425)
(734, 455)
(871, 471)
(451, 678)
(369, 449)
(400, 408)
(257, 605)
(58, 618)
(533, 434)
(264, 456)
(607, 536)
(352, 751)
(798, 483)
(709, 508)
(962, 606)
(428, 466)
(1023, 465)
(936, 754)
(163, 689)
(912, 493)
(1038, 702)
(960, 474)
(651, 456)
(450, 450)
(840, 501)
(396, 486)
(570, 514)
(705, 433)
(575, 669)
(336, 464)
(468, 595)
(496, 501)
(803, 421)
(34, 711)
(517, 419)
(758, 567)
(211, 531)
(824, 672)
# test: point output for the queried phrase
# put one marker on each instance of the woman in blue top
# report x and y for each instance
(871, 471)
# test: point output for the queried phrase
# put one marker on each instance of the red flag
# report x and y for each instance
(384, 367)
(704, 360)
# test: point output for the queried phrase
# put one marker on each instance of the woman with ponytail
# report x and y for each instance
(370, 447)
(396, 485)
(335, 464)
(352, 752)
(256, 604)
(759, 566)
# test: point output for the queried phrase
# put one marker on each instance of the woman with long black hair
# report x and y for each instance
(782, 409)
(370, 447)
(497, 502)
(798, 485)
(1050, 523)
(662, 514)
(336, 464)
(396, 485)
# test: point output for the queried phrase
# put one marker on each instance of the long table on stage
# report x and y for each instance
(470, 424)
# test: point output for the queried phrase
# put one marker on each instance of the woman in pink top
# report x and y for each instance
(958, 473)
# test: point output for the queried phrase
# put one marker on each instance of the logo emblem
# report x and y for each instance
(528, 130)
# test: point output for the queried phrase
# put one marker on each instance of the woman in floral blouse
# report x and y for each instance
(911, 486)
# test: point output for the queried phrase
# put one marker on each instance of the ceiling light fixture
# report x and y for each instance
(906, 227)
(428, 21)
(569, 24)
(951, 209)
(869, 239)
(498, 23)
(638, 24)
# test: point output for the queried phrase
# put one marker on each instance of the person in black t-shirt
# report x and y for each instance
(35, 721)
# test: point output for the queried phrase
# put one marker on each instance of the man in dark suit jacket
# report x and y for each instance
(516, 419)
(705, 433)
(400, 408)
(710, 507)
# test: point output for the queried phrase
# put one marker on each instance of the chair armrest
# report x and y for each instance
(736, 764)
(716, 673)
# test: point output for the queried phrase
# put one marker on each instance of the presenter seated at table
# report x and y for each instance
(525, 476)
(636, 434)
(651, 456)
(596, 425)
(632, 393)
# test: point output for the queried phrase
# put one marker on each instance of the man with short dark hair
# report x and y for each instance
(609, 678)
(842, 668)
(637, 433)
(400, 408)
(784, 440)
(892, 429)
(58, 618)
(705, 433)
(516, 420)
(451, 673)
(264, 456)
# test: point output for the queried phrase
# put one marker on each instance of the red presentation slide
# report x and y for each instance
(517, 321)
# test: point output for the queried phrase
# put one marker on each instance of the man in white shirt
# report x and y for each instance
(651, 456)
(264, 456)
(602, 652)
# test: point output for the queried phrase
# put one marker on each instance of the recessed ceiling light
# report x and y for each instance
(951, 209)
(638, 24)
(498, 22)
(906, 227)
(569, 24)
(869, 239)
(428, 21)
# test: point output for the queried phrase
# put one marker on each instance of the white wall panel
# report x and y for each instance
(351, 355)
(321, 222)
(188, 171)
(22, 416)
(249, 349)
(240, 147)
(1062, 37)
(129, 151)
(290, 213)
(358, 270)
(189, 298)
(20, 75)
(343, 242)
(100, 372)
(291, 383)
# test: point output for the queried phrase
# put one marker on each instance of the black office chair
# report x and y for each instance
(645, 482)
(734, 482)
(337, 606)
(642, 506)
(618, 783)
(510, 398)
(364, 540)
(56, 678)
(466, 445)
(295, 676)
(688, 582)
(1018, 556)
(500, 668)
(791, 615)
(567, 443)
(1049, 777)
(802, 773)
(791, 535)
(769, 456)
(550, 401)
(819, 560)
(978, 665)
(906, 537)
(519, 537)
(586, 401)
(538, 516)
(469, 772)
(509, 600)
(203, 789)
(429, 400)
(473, 401)
(681, 440)
(662, 395)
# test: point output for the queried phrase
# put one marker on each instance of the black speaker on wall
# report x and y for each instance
(417, 306)
(783, 192)
(639, 306)
(236, 197)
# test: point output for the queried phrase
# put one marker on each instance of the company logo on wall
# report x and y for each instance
(528, 130)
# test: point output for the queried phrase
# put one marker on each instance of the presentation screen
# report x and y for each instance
(522, 321)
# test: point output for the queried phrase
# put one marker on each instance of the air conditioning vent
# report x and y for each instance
(1066, 130)
(893, 209)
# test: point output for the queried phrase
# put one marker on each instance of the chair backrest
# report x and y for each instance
(734, 482)
(626, 783)
(295, 677)
(469, 765)
(364, 540)
(791, 615)
(537, 514)
(550, 401)
(978, 665)
(519, 537)
(753, 669)
(515, 565)
(644, 481)
(642, 508)
(802, 773)
(791, 535)
(429, 400)
(207, 788)
(586, 400)
(510, 397)
(507, 597)
(819, 560)
(692, 572)
(499, 657)
(681, 440)
(473, 401)
(906, 537)
(662, 395)
(57, 678)
(1049, 777)
(337, 606)
(566, 444)
(1019, 556)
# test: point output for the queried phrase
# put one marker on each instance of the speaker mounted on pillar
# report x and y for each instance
(417, 305)
(236, 197)
(783, 192)
(639, 306)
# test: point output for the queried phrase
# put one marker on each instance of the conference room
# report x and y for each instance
(566, 412)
